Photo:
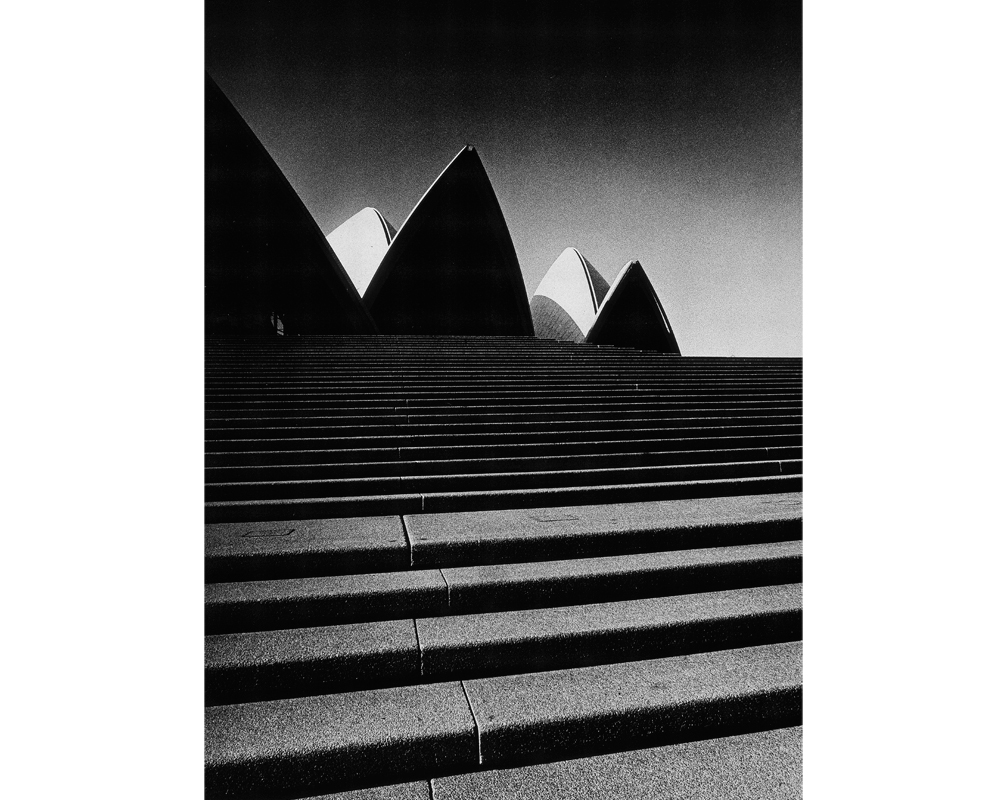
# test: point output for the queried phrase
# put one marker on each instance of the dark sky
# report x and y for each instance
(667, 132)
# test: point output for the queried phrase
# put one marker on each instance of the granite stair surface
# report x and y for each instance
(445, 567)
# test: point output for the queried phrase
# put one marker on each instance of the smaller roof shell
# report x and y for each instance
(360, 243)
(576, 290)
(632, 315)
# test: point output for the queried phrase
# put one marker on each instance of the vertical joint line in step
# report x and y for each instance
(475, 722)
(447, 586)
(406, 535)
(420, 650)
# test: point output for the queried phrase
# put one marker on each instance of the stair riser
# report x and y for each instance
(302, 679)
(473, 466)
(368, 487)
(261, 511)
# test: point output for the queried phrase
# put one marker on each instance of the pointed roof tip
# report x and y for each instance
(623, 322)
(634, 264)
(455, 236)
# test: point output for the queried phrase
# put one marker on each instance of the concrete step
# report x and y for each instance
(464, 355)
(326, 743)
(545, 716)
(241, 551)
(767, 764)
(463, 352)
(545, 376)
(338, 599)
(533, 370)
(499, 394)
(456, 356)
(543, 639)
(628, 395)
(496, 481)
(566, 532)
(540, 584)
(608, 447)
(237, 607)
(267, 665)
(536, 374)
(415, 790)
(438, 502)
(473, 366)
(314, 426)
(311, 745)
(413, 438)
(399, 467)
(595, 387)
(444, 350)
(386, 411)
(513, 386)
(256, 551)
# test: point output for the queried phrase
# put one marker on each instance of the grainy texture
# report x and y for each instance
(664, 617)
(336, 742)
(754, 766)
(264, 550)
(264, 665)
(586, 580)
(301, 602)
(555, 638)
(488, 537)
(418, 790)
(552, 715)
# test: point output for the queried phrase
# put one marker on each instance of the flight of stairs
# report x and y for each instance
(500, 567)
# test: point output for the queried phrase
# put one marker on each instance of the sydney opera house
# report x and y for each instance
(460, 544)
(450, 269)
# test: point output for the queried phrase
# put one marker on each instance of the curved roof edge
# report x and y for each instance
(361, 243)
(573, 284)
(467, 171)
(632, 315)
(381, 274)
(319, 262)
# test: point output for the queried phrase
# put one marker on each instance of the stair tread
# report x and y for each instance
(302, 602)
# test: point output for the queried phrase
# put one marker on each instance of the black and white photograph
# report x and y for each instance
(410, 401)
(503, 400)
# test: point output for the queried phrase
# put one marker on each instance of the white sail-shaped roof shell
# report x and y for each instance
(574, 285)
(361, 243)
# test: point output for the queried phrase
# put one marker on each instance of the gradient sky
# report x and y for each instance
(666, 132)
